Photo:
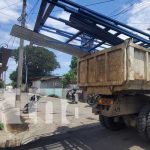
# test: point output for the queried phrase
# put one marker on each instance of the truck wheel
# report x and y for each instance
(101, 119)
(111, 124)
(148, 125)
(143, 122)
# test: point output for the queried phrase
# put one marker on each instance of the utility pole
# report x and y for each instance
(26, 67)
(20, 60)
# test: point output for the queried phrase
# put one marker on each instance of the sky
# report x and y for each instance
(132, 12)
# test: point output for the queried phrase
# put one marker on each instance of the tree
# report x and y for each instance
(13, 78)
(73, 64)
(71, 76)
(39, 62)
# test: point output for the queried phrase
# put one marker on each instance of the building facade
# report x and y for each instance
(49, 86)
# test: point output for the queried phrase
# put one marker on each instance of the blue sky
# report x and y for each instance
(137, 15)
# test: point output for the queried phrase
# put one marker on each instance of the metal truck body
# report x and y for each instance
(120, 75)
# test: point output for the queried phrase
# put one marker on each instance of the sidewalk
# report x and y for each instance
(45, 125)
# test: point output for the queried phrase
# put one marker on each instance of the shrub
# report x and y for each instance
(1, 126)
(1, 84)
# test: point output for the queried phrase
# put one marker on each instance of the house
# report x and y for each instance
(48, 86)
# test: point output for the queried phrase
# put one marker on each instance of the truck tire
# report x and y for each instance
(109, 123)
(101, 119)
(143, 122)
(148, 126)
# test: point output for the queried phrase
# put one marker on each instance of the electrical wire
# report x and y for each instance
(97, 3)
(118, 8)
(34, 6)
(32, 9)
(6, 14)
(125, 10)
(13, 43)
(9, 40)
(4, 45)
(9, 6)
(146, 6)
(92, 4)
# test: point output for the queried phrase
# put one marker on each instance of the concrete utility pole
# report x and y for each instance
(20, 60)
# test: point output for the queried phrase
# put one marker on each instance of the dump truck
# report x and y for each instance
(120, 76)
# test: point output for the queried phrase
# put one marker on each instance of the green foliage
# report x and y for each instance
(1, 126)
(73, 65)
(13, 78)
(1, 84)
(71, 76)
(40, 62)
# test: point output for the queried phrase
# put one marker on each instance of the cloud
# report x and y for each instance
(65, 63)
(9, 11)
(139, 15)
(59, 25)
(64, 60)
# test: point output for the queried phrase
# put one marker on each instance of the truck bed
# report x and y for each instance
(125, 67)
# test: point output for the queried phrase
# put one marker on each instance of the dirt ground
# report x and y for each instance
(48, 117)
(82, 131)
(94, 138)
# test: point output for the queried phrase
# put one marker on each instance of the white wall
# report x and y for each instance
(36, 84)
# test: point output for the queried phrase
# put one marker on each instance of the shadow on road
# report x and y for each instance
(89, 138)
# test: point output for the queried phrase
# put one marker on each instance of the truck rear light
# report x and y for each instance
(106, 101)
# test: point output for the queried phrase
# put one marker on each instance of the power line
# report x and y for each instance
(9, 40)
(146, 6)
(9, 6)
(118, 9)
(124, 10)
(6, 14)
(34, 6)
(30, 12)
(13, 42)
(128, 9)
(97, 3)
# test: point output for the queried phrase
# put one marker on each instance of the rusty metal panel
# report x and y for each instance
(100, 68)
(115, 65)
(119, 68)
(103, 68)
(91, 70)
(83, 72)
(139, 64)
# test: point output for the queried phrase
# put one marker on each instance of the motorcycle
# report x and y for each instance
(71, 95)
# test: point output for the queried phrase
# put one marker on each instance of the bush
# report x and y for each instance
(1, 126)
(1, 84)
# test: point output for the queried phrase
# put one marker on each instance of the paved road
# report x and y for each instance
(95, 138)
